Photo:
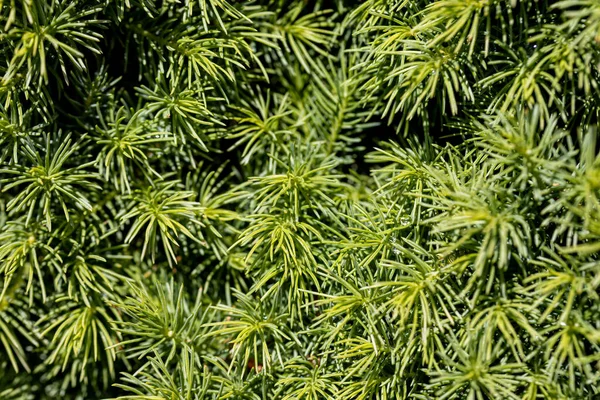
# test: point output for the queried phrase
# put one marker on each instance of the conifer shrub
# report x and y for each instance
(286, 199)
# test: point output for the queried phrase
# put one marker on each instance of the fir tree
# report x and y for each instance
(277, 199)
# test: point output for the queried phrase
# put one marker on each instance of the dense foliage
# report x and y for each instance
(287, 199)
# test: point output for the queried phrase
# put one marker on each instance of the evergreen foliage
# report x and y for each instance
(286, 199)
